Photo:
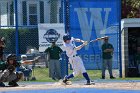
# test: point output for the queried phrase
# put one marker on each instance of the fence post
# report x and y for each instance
(66, 16)
(64, 65)
(16, 26)
(120, 49)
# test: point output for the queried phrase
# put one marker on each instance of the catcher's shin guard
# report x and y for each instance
(19, 76)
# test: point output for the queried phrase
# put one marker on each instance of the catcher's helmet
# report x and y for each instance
(11, 56)
(66, 37)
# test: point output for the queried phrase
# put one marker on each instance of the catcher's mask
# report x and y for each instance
(11, 57)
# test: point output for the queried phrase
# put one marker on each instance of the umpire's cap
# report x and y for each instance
(66, 37)
(106, 38)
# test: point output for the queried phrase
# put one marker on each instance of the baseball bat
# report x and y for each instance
(97, 39)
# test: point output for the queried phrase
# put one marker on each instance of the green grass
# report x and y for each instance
(42, 75)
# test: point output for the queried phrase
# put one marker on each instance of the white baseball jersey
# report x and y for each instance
(70, 48)
(75, 61)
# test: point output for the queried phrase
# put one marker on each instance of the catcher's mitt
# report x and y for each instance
(11, 68)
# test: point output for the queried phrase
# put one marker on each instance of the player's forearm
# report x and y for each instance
(108, 50)
(79, 40)
(27, 62)
(79, 47)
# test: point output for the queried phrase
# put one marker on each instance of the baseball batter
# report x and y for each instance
(75, 61)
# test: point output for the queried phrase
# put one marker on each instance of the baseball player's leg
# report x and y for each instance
(139, 68)
(26, 74)
(73, 64)
(83, 70)
(58, 70)
(4, 76)
(8, 76)
(104, 68)
(1, 82)
(52, 68)
(14, 78)
(109, 63)
(66, 78)
(74, 74)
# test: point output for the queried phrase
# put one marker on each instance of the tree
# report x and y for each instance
(130, 8)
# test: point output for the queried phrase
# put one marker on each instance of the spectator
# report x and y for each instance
(132, 54)
(54, 65)
(8, 73)
(107, 52)
(2, 46)
(138, 59)
(25, 67)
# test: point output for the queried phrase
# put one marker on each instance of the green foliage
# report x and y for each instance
(130, 8)
(27, 37)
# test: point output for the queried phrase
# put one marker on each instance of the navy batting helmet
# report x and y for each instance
(66, 37)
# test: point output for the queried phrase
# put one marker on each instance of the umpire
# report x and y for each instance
(107, 52)
(54, 53)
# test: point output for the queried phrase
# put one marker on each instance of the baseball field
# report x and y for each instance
(44, 84)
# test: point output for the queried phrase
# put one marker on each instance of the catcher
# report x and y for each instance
(8, 73)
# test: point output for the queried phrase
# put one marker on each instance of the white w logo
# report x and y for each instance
(96, 18)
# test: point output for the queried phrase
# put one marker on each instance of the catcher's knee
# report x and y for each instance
(19, 76)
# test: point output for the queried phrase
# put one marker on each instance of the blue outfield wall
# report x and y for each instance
(91, 19)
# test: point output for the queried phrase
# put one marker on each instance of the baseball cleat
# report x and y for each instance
(112, 77)
(90, 83)
(2, 84)
(66, 81)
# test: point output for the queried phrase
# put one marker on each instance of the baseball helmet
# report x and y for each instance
(66, 37)
(23, 56)
(11, 56)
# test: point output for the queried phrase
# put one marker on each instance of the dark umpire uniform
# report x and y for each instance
(54, 53)
(8, 73)
(107, 52)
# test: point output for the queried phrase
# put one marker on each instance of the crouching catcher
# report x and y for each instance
(8, 73)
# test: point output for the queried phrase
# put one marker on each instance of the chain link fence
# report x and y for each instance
(19, 21)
